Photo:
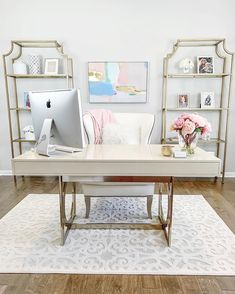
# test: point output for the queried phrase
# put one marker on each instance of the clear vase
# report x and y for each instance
(188, 142)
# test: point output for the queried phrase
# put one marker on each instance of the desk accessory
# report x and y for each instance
(189, 127)
(167, 150)
(179, 154)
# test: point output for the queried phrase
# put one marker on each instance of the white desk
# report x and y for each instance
(128, 163)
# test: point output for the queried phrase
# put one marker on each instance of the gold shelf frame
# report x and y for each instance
(16, 50)
(225, 100)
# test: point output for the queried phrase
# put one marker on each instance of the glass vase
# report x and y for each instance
(188, 142)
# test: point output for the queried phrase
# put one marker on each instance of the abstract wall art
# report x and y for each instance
(118, 82)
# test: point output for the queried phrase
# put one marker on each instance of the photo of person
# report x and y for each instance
(183, 100)
(205, 64)
(26, 100)
(207, 99)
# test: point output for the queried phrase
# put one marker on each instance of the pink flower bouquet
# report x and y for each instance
(189, 127)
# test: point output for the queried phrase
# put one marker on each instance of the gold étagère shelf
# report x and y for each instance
(39, 76)
(12, 80)
(223, 110)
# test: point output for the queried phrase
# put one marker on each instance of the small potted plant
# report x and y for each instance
(189, 128)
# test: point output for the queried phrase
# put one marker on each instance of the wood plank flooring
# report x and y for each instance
(220, 197)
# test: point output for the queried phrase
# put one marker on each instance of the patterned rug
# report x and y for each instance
(201, 243)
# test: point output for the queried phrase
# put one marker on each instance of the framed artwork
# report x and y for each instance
(26, 100)
(183, 100)
(207, 99)
(205, 64)
(117, 82)
(51, 66)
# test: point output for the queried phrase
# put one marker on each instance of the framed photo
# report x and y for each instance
(207, 99)
(205, 64)
(51, 66)
(117, 82)
(183, 100)
(26, 100)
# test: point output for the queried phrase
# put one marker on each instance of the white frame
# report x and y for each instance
(203, 98)
(47, 60)
(213, 63)
(178, 101)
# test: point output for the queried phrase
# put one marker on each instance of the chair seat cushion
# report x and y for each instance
(118, 189)
(94, 186)
(83, 179)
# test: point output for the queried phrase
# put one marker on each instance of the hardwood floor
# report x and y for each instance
(220, 197)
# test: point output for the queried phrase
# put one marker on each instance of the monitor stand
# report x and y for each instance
(43, 146)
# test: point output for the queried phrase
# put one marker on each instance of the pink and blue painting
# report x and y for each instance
(118, 82)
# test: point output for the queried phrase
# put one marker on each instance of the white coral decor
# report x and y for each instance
(186, 64)
(29, 132)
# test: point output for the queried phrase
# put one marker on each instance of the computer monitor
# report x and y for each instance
(57, 120)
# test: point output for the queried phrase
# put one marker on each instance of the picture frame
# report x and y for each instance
(207, 99)
(51, 66)
(183, 100)
(118, 81)
(205, 64)
(26, 100)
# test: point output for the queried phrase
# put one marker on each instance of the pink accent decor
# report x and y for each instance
(189, 127)
(100, 117)
(187, 124)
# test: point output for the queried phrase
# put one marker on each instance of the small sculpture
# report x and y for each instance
(187, 65)
(29, 132)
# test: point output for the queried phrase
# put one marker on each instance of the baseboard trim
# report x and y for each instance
(6, 172)
(230, 175)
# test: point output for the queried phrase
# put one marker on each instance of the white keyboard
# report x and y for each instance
(67, 149)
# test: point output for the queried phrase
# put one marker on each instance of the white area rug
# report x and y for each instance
(201, 244)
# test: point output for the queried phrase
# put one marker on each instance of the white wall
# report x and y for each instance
(115, 30)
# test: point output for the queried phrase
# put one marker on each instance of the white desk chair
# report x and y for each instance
(95, 187)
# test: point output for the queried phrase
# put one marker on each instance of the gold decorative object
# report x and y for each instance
(167, 150)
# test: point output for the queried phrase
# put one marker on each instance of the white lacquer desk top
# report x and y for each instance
(117, 160)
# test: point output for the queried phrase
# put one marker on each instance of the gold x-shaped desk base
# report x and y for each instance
(165, 222)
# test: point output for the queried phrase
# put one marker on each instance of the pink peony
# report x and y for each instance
(189, 123)
(178, 124)
(188, 127)
(206, 129)
(185, 116)
(198, 120)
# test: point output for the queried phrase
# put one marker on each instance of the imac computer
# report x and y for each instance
(57, 120)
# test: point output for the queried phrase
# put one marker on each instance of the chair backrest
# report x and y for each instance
(143, 120)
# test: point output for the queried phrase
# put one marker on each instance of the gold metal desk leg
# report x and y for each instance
(65, 224)
(166, 222)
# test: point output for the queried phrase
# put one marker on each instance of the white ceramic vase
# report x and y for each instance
(19, 68)
(34, 64)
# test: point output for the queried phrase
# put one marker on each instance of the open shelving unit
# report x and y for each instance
(12, 80)
(225, 76)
